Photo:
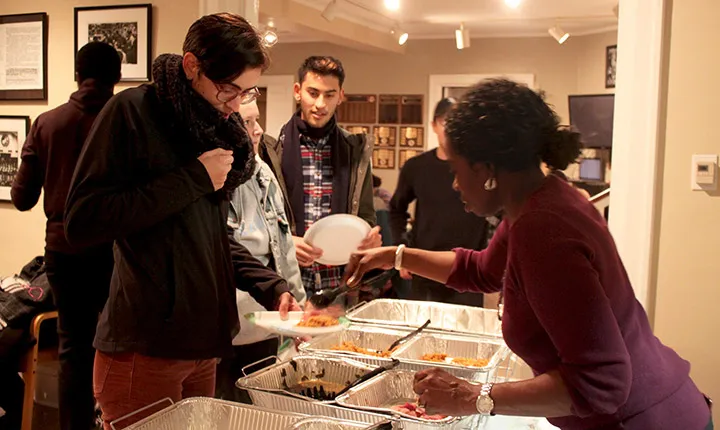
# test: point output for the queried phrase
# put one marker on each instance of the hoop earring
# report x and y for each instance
(490, 184)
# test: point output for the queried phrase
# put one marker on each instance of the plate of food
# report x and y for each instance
(297, 325)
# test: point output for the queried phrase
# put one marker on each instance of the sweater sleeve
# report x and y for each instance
(481, 271)
(105, 202)
(404, 195)
(28, 182)
(553, 265)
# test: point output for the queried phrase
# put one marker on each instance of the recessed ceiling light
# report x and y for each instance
(513, 3)
(392, 4)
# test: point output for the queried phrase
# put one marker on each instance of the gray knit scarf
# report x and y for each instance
(206, 127)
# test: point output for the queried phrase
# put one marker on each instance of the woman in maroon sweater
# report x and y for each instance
(568, 307)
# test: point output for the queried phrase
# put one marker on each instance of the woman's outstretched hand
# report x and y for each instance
(363, 261)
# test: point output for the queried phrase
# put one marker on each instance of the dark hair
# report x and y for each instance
(226, 45)
(510, 126)
(443, 107)
(377, 181)
(99, 61)
(323, 66)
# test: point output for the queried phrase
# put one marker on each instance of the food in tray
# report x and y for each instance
(318, 389)
(413, 410)
(440, 357)
(319, 321)
(351, 347)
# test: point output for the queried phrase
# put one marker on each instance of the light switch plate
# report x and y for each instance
(707, 181)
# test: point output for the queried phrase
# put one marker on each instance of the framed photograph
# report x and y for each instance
(406, 154)
(383, 159)
(385, 137)
(128, 28)
(23, 56)
(610, 66)
(13, 131)
(412, 137)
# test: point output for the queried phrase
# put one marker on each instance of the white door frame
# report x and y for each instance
(280, 105)
(638, 131)
(435, 94)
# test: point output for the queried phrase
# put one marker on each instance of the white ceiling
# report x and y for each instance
(436, 19)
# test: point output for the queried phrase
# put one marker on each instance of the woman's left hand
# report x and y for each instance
(443, 393)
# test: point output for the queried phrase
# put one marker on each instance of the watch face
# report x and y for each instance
(485, 405)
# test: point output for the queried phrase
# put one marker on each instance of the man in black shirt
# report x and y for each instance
(441, 222)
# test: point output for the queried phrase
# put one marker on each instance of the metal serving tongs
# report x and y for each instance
(409, 336)
(324, 298)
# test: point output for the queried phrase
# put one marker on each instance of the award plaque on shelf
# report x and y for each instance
(406, 154)
(383, 159)
(411, 137)
(385, 136)
(357, 129)
(358, 109)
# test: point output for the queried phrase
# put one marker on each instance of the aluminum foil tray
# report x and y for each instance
(489, 348)
(276, 401)
(388, 389)
(320, 423)
(445, 317)
(282, 377)
(212, 414)
(362, 335)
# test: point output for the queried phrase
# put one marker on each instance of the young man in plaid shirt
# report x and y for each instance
(325, 169)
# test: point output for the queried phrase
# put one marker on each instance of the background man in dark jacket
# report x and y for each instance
(441, 222)
(325, 169)
(79, 276)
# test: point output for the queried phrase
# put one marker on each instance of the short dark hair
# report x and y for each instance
(323, 66)
(508, 125)
(226, 45)
(443, 107)
(99, 61)
(377, 181)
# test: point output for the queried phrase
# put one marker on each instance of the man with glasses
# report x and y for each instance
(155, 176)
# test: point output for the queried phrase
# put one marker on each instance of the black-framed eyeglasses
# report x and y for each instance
(229, 92)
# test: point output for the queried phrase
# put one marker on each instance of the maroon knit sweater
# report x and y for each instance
(569, 306)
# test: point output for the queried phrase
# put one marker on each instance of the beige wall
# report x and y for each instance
(22, 234)
(688, 273)
(573, 68)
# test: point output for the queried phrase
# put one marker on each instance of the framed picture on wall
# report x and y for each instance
(128, 28)
(610, 66)
(411, 137)
(384, 136)
(406, 154)
(23, 56)
(13, 131)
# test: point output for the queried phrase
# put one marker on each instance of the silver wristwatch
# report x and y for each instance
(484, 403)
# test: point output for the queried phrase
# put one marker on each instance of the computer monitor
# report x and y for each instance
(592, 169)
(592, 116)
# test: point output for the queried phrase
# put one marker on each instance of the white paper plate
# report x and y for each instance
(271, 321)
(338, 235)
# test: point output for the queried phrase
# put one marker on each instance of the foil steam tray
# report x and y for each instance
(388, 389)
(212, 414)
(445, 317)
(488, 348)
(364, 336)
(286, 376)
(320, 423)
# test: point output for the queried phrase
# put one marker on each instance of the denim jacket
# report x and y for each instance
(257, 216)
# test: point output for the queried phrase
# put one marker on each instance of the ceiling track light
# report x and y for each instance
(270, 37)
(559, 34)
(462, 37)
(330, 10)
(402, 37)
(392, 5)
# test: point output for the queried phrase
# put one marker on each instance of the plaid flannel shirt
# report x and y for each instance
(317, 185)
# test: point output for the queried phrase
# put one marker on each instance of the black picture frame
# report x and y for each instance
(14, 130)
(107, 22)
(29, 93)
(610, 66)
